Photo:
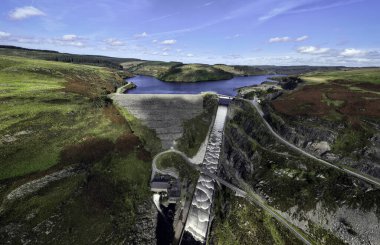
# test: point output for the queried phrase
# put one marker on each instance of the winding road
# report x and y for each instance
(250, 197)
(361, 176)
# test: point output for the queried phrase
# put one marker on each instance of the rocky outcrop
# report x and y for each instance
(146, 223)
(317, 136)
(346, 222)
(38, 184)
(250, 153)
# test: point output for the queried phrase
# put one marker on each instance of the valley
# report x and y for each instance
(83, 155)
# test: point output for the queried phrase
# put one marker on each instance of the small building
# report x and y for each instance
(174, 192)
(225, 100)
(159, 186)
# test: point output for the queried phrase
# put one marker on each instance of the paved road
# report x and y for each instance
(363, 177)
(169, 171)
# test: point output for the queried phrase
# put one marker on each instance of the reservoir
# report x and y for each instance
(151, 85)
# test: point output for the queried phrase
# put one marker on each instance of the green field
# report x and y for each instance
(53, 115)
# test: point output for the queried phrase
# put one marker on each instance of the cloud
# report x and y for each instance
(301, 6)
(154, 41)
(275, 12)
(208, 4)
(4, 35)
(288, 39)
(301, 39)
(76, 44)
(351, 52)
(25, 12)
(114, 42)
(69, 37)
(280, 39)
(141, 35)
(312, 50)
(166, 49)
(165, 54)
(190, 55)
(169, 42)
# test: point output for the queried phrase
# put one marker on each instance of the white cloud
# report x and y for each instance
(4, 34)
(280, 39)
(190, 55)
(169, 42)
(287, 39)
(76, 44)
(154, 41)
(165, 54)
(141, 35)
(208, 4)
(350, 52)
(165, 49)
(69, 37)
(114, 42)
(303, 38)
(25, 12)
(312, 50)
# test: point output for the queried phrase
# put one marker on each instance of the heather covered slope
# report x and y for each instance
(337, 110)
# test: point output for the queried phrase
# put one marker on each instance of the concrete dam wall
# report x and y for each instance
(164, 113)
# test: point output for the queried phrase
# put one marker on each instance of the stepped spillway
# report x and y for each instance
(199, 215)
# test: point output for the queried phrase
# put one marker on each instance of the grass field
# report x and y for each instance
(41, 113)
(55, 114)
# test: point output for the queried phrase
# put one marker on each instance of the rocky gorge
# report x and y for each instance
(330, 207)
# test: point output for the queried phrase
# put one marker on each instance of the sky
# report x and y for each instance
(242, 32)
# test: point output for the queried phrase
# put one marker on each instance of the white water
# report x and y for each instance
(199, 214)
(156, 200)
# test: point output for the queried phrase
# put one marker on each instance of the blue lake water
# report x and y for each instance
(151, 85)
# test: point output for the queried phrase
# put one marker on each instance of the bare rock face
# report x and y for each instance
(164, 113)
(321, 147)
(353, 226)
(146, 223)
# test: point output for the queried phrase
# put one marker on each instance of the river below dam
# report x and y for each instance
(151, 85)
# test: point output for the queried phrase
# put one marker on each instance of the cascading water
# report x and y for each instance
(156, 200)
(199, 214)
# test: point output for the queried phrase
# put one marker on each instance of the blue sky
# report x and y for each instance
(259, 32)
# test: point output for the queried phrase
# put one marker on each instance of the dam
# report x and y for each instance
(198, 219)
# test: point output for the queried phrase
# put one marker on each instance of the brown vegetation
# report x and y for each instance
(89, 151)
(114, 115)
(310, 100)
(126, 143)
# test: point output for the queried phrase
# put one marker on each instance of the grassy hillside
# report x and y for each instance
(194, 73)
(349, 99)
(96, 60)
(54, 115)
(368, 75)
(149, 68)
